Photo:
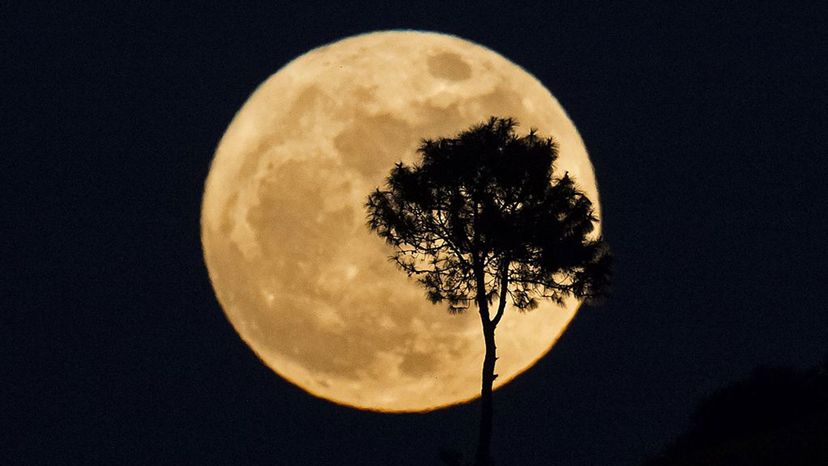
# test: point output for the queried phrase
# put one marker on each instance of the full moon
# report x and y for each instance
(301, 278)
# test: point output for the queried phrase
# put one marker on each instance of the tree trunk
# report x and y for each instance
(483, 456)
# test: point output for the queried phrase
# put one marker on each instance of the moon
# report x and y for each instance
(293, 264)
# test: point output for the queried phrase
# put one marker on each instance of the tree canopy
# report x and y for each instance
(483, 216)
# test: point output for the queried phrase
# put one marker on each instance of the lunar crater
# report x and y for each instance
(450, 66)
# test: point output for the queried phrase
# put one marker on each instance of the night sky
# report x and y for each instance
(706, 125)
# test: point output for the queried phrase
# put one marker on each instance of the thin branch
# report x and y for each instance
(504, 288)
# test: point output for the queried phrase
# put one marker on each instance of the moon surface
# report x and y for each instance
(296, 270)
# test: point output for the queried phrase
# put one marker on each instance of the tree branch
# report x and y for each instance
(504, 290)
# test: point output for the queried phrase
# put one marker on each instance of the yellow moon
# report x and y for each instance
(296, 270)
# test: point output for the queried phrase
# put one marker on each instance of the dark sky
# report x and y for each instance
(706, 124)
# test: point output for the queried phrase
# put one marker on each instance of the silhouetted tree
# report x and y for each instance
(481, 218)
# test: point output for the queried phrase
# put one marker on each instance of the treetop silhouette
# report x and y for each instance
(482, 218)
(486, 201)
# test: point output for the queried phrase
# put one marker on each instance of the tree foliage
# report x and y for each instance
(482, 216)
